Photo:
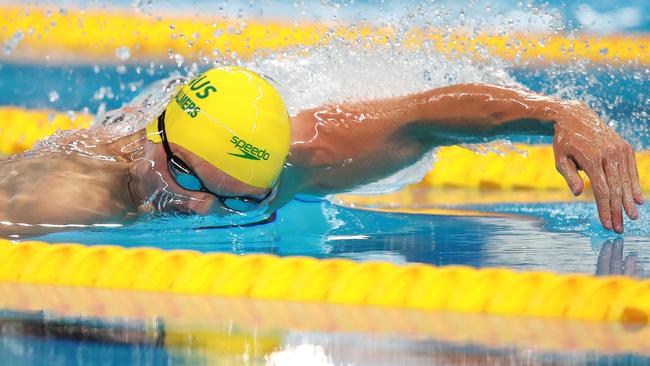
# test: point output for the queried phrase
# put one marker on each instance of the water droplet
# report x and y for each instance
(13, 42)
(604, 51)
(171, 27)
(179, 59)
(123, 53)
(121, 69)
(54, 96)
(63, 11)
(217, 33)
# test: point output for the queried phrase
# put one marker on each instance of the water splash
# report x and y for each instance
(12, 43)
(53, 96)
(123, 53)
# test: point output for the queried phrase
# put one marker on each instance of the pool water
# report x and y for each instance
(234, 331)
(560, 237)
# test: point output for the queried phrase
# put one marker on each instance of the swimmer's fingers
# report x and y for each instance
(567, 167)
(626, 185)
(604, 259)
(637, 192)
(601, 192)
(616, 260)
(612, 174)
(630, 266)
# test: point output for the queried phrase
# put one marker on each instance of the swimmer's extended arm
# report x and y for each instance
(49, 194)
(55, 210)
(338, 147)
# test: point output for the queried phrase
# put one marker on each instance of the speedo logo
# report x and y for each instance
(248, 151)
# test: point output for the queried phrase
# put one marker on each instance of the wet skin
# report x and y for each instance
(333, 148)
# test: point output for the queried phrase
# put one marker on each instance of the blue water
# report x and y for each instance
(562, 237)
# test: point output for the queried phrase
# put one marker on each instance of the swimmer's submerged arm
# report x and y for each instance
(54, 204)
(342, 146)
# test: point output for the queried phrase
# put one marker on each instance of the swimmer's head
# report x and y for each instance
(226, 125)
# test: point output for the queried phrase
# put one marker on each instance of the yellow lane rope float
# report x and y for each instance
(20, 128)
(219, 326)
(109, 36)
(455, 288)
(455, 167)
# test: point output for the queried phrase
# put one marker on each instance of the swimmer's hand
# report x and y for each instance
(582, 141)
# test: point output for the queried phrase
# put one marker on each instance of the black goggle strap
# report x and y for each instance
(171, 158)
(163, 135)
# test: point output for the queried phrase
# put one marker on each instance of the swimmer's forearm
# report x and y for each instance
(472, 111)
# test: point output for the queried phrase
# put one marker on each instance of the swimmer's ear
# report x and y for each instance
(569, 171)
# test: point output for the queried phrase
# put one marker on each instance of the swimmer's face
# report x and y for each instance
(157, 183)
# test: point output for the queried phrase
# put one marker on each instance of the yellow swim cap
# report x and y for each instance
(233, 119)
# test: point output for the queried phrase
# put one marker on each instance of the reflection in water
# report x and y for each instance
(246, 332)
(323, 230)
(611, 260)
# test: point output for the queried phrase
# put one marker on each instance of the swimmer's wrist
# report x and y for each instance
(561, 113)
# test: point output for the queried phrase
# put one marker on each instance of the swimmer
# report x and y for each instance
(225, 145)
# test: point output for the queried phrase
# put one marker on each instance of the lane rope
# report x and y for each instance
(338, 281)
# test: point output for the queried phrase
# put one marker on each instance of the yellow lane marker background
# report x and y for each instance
(109, 36)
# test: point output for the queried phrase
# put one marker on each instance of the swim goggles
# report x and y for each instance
(188, 180)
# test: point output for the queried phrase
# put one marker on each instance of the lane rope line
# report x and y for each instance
(495, 291)
(118, 36)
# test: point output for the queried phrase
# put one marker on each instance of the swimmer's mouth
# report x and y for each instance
(168, 204)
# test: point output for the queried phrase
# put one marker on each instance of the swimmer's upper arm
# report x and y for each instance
(58, 208)
(58, 213)
(336, 148)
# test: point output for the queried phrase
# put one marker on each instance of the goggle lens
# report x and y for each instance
(240, 205)
(188, 182)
